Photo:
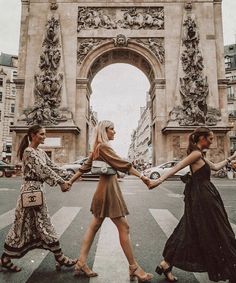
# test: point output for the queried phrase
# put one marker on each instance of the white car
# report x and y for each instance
(74, 167)
(158, 171)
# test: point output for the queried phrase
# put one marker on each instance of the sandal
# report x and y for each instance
(62, 260)
(134, 272)
(8, 264)
(166, 272)
(83, 269)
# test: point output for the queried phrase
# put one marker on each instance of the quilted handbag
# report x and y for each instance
(102, 168)
(32, 198)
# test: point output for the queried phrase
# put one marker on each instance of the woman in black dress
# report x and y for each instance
(203, 241)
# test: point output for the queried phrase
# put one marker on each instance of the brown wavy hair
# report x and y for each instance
(26, 139)
(194, 138)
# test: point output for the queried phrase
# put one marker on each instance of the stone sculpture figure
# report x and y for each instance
(48, 82)
(194, 87)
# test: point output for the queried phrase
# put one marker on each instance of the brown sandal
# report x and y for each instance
(62, 260)
(133, 272)
(8, 264)
(83, 269)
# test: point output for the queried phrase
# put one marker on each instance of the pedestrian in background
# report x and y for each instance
(203, 241)
(108, 202)
(32, 227)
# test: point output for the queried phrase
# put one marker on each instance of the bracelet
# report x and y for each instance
(141, 176)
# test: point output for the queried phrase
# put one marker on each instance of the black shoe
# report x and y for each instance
(160, 270)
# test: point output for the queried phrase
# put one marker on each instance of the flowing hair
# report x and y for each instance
(26, 139)
(194, 138)
(100, 133)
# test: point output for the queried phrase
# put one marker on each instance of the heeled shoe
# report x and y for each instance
(166, 271)
(133, 273)
(8, 264)
(83, 269)
(62, 260)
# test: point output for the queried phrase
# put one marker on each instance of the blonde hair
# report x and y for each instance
(100, 133)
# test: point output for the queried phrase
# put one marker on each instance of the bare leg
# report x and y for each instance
(125, 242)
(94, 226)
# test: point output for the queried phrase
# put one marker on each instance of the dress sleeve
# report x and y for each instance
(108, 155)
(40, 168)
(86, 167)
(61, 172)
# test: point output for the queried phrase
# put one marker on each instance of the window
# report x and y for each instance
(12, 108)
(13, 75)
(1, 81)
(230, 93)
(228, 62)
(0, 96)
(13, 91)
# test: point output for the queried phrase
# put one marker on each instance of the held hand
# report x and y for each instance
(154, 183)
(66, 186)
(146, 180)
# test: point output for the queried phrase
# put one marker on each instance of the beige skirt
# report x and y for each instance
(108, 200)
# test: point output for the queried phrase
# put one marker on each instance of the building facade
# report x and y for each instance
(8, 72)
(177, 44)
(230, 73)
(140, 149)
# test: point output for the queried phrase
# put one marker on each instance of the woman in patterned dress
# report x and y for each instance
(108, 202)
(32, 227)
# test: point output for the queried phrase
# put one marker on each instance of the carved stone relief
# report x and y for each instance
(126, 18)
(48, 81)
(194, 87)
(120, 41)
(155, 45)
(85, 46)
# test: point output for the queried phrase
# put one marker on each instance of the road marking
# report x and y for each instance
(7, 218)
(115, 269)
(167, 221)
(6, 189)
(175, 195)
(31, 261)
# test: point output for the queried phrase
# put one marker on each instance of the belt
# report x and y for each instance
(32, 179)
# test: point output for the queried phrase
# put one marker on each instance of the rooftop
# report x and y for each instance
(8, 60)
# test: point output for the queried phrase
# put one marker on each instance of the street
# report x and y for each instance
(153, 216)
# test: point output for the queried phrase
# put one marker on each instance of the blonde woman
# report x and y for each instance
(108, 202)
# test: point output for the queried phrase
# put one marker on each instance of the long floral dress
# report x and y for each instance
(32, 227)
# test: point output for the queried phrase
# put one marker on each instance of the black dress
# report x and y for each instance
(203, 241)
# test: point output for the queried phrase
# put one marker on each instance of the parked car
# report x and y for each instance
(158, 171)
(74, 167)
(6, 169)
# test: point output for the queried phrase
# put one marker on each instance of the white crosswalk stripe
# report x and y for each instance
(109, 248)
(167, 222)
(33, 259)
(7, 218)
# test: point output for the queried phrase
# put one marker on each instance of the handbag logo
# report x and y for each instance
(32, 198)
(104, 169)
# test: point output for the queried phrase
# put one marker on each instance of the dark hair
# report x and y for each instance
(25, 141)
(194, 138)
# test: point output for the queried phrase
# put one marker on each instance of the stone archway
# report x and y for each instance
(177, 44)
(133, 53)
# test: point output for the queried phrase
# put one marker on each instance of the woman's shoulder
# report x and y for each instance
(104, 145)
(196, 154)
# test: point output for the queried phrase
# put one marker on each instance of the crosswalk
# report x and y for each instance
(108, 252)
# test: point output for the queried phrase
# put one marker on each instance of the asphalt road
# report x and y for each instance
(153, 216)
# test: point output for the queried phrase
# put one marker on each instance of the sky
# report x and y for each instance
(121, 86)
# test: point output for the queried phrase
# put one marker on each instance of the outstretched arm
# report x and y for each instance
(219, 165)
(190, 159)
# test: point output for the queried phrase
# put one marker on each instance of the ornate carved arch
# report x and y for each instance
(108, 53)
